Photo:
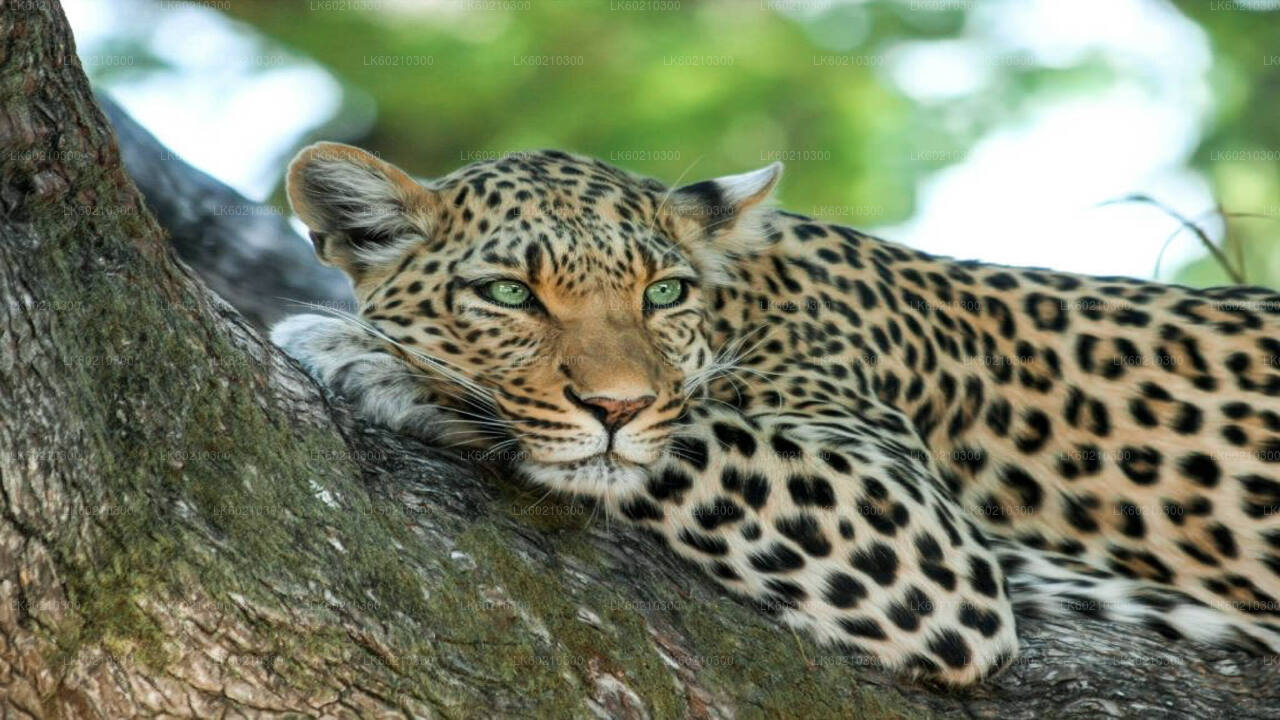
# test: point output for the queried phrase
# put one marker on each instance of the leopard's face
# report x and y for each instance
(557, 306)
(575, 334)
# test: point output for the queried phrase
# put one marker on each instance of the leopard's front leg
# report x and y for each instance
(360, 368)
(848, 533)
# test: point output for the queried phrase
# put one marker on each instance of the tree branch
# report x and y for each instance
(245, 251)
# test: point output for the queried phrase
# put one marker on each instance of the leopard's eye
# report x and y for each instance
(507, 292)
(664, 293)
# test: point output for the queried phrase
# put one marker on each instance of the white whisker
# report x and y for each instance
(445, 369)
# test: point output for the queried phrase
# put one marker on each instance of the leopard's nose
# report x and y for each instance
(612, 412)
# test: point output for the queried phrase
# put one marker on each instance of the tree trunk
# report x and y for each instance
(189, 528)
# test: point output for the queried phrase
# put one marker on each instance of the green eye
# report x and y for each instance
(507, 292)
(664, 293)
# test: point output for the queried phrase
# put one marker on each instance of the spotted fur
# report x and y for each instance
(890, 449)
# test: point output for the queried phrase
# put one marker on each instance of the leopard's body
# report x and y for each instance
(890, 449)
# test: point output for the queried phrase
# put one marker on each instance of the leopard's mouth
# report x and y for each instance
(601, 461)
(602, 474)
(608, 458)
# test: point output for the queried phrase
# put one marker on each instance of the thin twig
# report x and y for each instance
(1214, 250)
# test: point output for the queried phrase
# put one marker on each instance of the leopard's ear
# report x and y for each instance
(363, 213)
(725, 214)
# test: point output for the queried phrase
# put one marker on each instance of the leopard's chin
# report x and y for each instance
(604, 475)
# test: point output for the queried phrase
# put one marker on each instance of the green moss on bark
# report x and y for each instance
(178, 422)
(760, 670)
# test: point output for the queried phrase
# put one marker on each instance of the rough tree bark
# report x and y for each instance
(189, 528)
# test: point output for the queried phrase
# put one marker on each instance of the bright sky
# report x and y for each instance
(231, 106)
(1028, 193)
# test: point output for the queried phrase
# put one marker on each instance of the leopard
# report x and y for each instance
(897, 453)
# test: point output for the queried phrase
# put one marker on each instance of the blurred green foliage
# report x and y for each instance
(694, 92)
(1240, 153)
(702, 89)
(690, 89)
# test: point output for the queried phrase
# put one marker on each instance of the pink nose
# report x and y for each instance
(613, 413)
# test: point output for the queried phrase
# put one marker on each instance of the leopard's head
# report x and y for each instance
(557, 305)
